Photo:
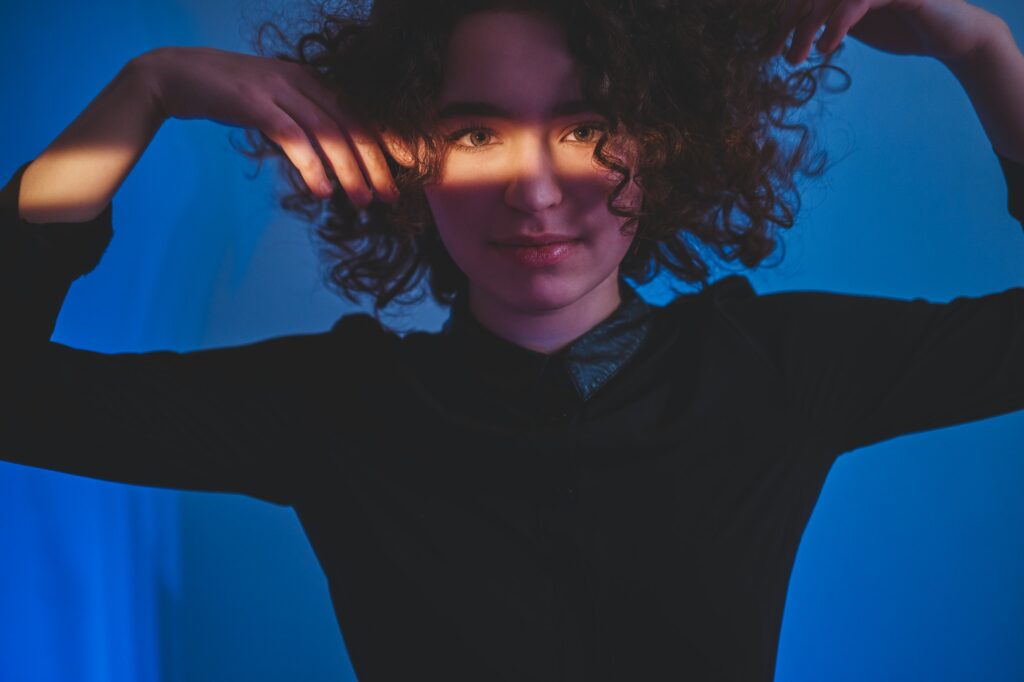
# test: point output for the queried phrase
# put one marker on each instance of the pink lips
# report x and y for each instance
(536, 239)
(540, 255)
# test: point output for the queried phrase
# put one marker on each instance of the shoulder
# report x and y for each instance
(709, 321)
(722, 295)
(728, 288)
(723, 305)
(363, 328)
(730, 317)
(357, 326)
(802, 321)
(366, 335)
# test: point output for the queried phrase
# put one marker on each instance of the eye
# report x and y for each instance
(592, 131)
(476, 135)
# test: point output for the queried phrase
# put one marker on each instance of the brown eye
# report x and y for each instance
(587, 133)
(472, 138)
(586, 137)
(478, 136)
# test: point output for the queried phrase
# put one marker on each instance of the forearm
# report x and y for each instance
(78, 174)
(993, 77)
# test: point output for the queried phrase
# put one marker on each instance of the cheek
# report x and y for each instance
(461, 215)
(612, 245)
(611, 240)
(457, 207)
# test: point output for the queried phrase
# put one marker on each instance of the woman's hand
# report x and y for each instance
(287, 102)
(948, 30)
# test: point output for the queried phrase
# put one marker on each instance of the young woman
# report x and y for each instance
(566, 482)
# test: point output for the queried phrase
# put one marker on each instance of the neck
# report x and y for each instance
(546, 331)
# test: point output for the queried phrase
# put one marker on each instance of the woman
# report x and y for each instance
(583, 485)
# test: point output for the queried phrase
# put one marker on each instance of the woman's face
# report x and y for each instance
(522, 166)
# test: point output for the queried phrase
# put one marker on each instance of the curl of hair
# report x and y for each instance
(689, 85)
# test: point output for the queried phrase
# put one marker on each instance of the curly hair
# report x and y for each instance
(688, 83)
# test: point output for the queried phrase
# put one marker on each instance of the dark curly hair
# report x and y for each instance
(688, 82)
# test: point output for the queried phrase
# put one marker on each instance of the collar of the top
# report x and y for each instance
(589, 361)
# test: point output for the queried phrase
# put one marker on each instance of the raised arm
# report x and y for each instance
(80, 171)
(864, 369)
(974, 44)
(249, 419)
(240, 419)
(77, 175)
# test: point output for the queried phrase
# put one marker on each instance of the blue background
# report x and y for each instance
(909, 568)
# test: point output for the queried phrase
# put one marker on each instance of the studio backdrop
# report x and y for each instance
(910, 568)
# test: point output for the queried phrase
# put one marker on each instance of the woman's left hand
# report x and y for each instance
(948, 30)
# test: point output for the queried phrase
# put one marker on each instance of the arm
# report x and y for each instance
(80, 171)
(977, 46)
(993, 77)
(243, 419)
(863, 369)
(249, 419)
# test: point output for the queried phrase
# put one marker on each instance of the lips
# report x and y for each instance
(537, 240)
(541, 256)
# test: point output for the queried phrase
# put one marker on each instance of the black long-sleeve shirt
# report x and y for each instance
(628, 508)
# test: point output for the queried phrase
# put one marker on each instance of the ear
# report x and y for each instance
(398, 151)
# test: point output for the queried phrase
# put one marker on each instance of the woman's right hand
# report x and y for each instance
(284, 100)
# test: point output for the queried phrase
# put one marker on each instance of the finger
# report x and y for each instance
(322, 128)
(368, 148)
(791, 11)
(808, 28)
(374, 161)
(292, 140)
(840, 23)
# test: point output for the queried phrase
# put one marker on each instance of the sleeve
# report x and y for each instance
(863, 369)
(1013, 172)
(244, 419)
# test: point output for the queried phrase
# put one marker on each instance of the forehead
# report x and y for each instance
(517, 60)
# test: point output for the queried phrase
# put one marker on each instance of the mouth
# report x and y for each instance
(541, 254)
(543, 240)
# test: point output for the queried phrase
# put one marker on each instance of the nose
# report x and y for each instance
(534, 185)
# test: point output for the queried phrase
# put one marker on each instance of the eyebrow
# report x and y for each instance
(491, 110)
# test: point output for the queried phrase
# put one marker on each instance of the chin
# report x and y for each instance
(539, 292)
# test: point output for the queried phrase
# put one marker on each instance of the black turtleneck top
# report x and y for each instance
(628, 508)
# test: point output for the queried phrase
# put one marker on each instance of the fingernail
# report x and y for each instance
(326, 188)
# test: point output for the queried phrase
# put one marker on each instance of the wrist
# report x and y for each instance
(146, 74)
(993, 41)
(992, 75)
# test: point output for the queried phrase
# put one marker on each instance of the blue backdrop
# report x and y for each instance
(909, 569)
